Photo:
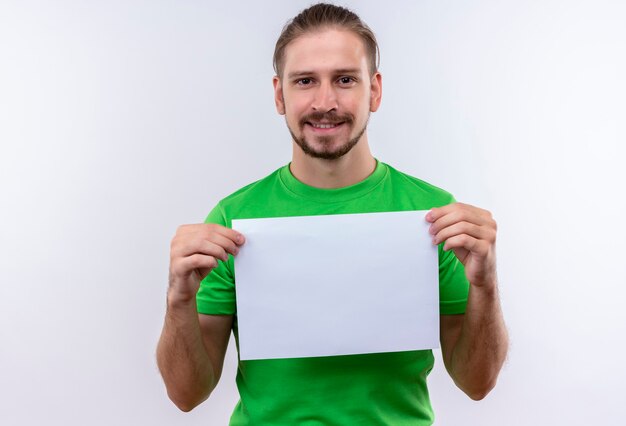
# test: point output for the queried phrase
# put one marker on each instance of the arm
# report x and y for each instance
(474, 345)
(191, 350)
(190, 354)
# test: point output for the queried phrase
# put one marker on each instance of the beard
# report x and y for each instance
(326, 152)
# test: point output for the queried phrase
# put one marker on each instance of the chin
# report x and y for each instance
(323, 152)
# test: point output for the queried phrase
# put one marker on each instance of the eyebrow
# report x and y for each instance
(295, 74)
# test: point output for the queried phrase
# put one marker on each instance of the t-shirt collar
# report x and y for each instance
(325, 195)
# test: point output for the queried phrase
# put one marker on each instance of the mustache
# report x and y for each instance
(327, 117)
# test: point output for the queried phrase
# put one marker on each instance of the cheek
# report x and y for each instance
(295, 109)
(360, 111)
(292, 116)
(357, 103)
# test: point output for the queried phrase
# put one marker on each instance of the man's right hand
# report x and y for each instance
(194, 252)
(191, 350)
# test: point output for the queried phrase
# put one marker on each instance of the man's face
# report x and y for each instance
(326, 92)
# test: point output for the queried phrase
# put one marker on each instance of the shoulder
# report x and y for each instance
(411, 184)
(248, 200)
(252, 190)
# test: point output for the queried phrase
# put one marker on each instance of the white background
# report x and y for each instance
(120, 120)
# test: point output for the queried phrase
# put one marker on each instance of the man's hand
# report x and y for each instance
(473, 345)
(192, 347)
(195, 250)
(471, 233)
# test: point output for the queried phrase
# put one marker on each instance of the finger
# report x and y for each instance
(185, 265)
(188, 237)
(478, 232)
(202, 246)
(233, 235)
(462, 213)
(226, 243)
(210, 228)
(471, 244)
(201, 263)
(437, 212)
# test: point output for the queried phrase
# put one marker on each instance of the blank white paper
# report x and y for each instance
(336, 285)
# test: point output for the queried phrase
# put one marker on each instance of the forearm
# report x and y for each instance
(482, 346)
(182, 357)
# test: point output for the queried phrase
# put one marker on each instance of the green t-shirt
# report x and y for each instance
(369, 389)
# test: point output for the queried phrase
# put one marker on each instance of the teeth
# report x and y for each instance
(323, 126)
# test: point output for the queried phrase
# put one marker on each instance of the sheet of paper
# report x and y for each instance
(336, 285)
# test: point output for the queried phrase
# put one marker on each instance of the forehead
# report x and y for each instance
(325, 50)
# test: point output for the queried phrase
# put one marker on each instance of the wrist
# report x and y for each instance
(486, 279)
(177, 300)
(487, 287)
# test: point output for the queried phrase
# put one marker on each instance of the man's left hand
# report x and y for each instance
(471, 234)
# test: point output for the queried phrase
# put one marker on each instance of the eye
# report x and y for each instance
(346, 80)
(303, 81)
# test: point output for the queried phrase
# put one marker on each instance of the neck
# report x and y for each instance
(348, 170)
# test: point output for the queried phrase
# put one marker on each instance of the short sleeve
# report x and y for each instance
(453, 284)
(216, 295)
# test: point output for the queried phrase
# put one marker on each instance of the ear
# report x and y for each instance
(376, 91)
(278, 95)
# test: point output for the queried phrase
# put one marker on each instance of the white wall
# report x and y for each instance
(120, 120)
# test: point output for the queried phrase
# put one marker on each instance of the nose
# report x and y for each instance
(325, 98)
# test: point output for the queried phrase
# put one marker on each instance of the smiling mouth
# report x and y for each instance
(324, 125)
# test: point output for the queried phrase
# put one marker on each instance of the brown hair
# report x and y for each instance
(321, 16)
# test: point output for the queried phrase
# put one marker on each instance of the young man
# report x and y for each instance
(326, 85)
